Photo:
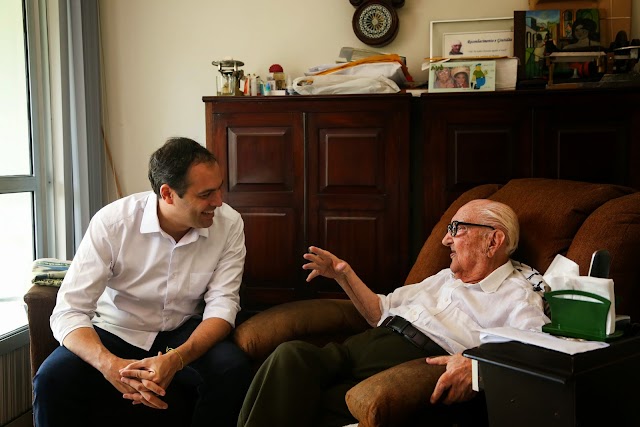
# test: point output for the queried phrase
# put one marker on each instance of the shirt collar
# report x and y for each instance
(151, 224)
(492, 282)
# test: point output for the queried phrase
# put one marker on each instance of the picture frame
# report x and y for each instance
(437, 30)
(462, 76)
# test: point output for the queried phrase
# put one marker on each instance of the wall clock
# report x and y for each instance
(375, 22)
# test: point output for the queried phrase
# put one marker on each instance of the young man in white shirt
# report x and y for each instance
(149, 301)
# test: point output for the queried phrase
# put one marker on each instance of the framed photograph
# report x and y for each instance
(485, 43)
(438, 29)
(462, 76)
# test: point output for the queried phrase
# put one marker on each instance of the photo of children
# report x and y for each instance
(462, 76)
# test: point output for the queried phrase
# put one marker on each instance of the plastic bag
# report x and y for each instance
(333, 84)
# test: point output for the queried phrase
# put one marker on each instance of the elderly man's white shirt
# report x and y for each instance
(132, 279)
(452, 313)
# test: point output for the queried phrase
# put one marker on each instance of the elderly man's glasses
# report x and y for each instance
(453, 227)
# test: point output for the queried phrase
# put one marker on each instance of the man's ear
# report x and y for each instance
(496, 241)
(166, 193)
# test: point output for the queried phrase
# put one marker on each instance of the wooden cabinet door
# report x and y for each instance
(358, 193)
(472, 139)
(584, 137)
(262, 159)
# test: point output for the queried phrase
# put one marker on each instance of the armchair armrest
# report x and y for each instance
(395, 395)
(317, 320)
(40, 301)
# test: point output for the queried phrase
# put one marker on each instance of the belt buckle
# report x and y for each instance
(398, 324)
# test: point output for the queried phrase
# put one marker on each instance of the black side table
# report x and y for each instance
(526, 385)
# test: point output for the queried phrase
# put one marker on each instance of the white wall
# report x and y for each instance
(157, 57)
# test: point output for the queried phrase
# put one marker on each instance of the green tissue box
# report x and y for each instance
(579, 318)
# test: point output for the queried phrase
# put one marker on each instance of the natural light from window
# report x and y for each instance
(16, 206)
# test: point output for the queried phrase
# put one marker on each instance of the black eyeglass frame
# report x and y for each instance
(452, 228)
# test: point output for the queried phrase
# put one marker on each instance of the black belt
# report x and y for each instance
(403, 327)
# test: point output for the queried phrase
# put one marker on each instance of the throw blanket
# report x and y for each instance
(49, 271)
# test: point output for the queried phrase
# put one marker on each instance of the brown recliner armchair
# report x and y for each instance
(556, 217)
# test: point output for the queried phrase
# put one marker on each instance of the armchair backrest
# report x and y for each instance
(559, 217)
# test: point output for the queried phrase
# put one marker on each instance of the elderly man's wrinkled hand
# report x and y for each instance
(454, 385)
(324, 263)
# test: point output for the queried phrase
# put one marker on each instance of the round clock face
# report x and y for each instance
(375, 23)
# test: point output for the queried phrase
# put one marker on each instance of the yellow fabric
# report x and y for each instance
(369, 60)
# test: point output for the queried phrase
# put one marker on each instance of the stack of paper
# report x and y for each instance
(349, 54)
(506, 73)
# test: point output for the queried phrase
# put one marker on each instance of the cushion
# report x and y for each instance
(550, 212)
(614, 226)
(434, 256)
(391, 396)
(259, 335)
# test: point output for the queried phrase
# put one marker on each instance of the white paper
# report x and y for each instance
(541, 339)
(564, 274)
(475, 383)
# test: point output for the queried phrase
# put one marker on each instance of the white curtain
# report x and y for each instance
(81, 115)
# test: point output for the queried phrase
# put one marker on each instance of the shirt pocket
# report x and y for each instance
(412, 312)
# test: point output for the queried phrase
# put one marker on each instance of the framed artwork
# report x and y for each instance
(537, 33)
(462, 76)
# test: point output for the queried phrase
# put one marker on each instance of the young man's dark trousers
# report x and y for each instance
(70, 392)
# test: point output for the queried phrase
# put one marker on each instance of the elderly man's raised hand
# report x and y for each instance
(454, 385)
(324, 263)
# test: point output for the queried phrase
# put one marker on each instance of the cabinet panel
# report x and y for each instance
(471, 140)
(343, 232)
(355, 192)
(271, 238)
(479, 154)
(351, 161)
(249, 147)
(594, 146)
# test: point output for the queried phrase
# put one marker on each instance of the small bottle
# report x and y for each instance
(254, 85)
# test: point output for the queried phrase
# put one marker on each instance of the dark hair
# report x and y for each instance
(588, 24)
(170, 163)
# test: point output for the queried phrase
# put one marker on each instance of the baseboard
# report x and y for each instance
(25, 420)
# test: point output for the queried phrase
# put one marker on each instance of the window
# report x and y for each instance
(19, 187)
(50, 131)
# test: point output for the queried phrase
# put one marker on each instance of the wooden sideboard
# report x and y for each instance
(326, 171)
(368, 176)
(583, 135)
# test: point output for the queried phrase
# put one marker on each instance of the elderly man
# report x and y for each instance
(302, 384)
(456, 47)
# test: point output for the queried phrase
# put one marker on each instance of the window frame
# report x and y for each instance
(37, 183)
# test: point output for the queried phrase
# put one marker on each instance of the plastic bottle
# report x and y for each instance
(254, 85)
(290, 89)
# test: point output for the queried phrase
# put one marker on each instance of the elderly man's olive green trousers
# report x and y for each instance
(301, 384)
